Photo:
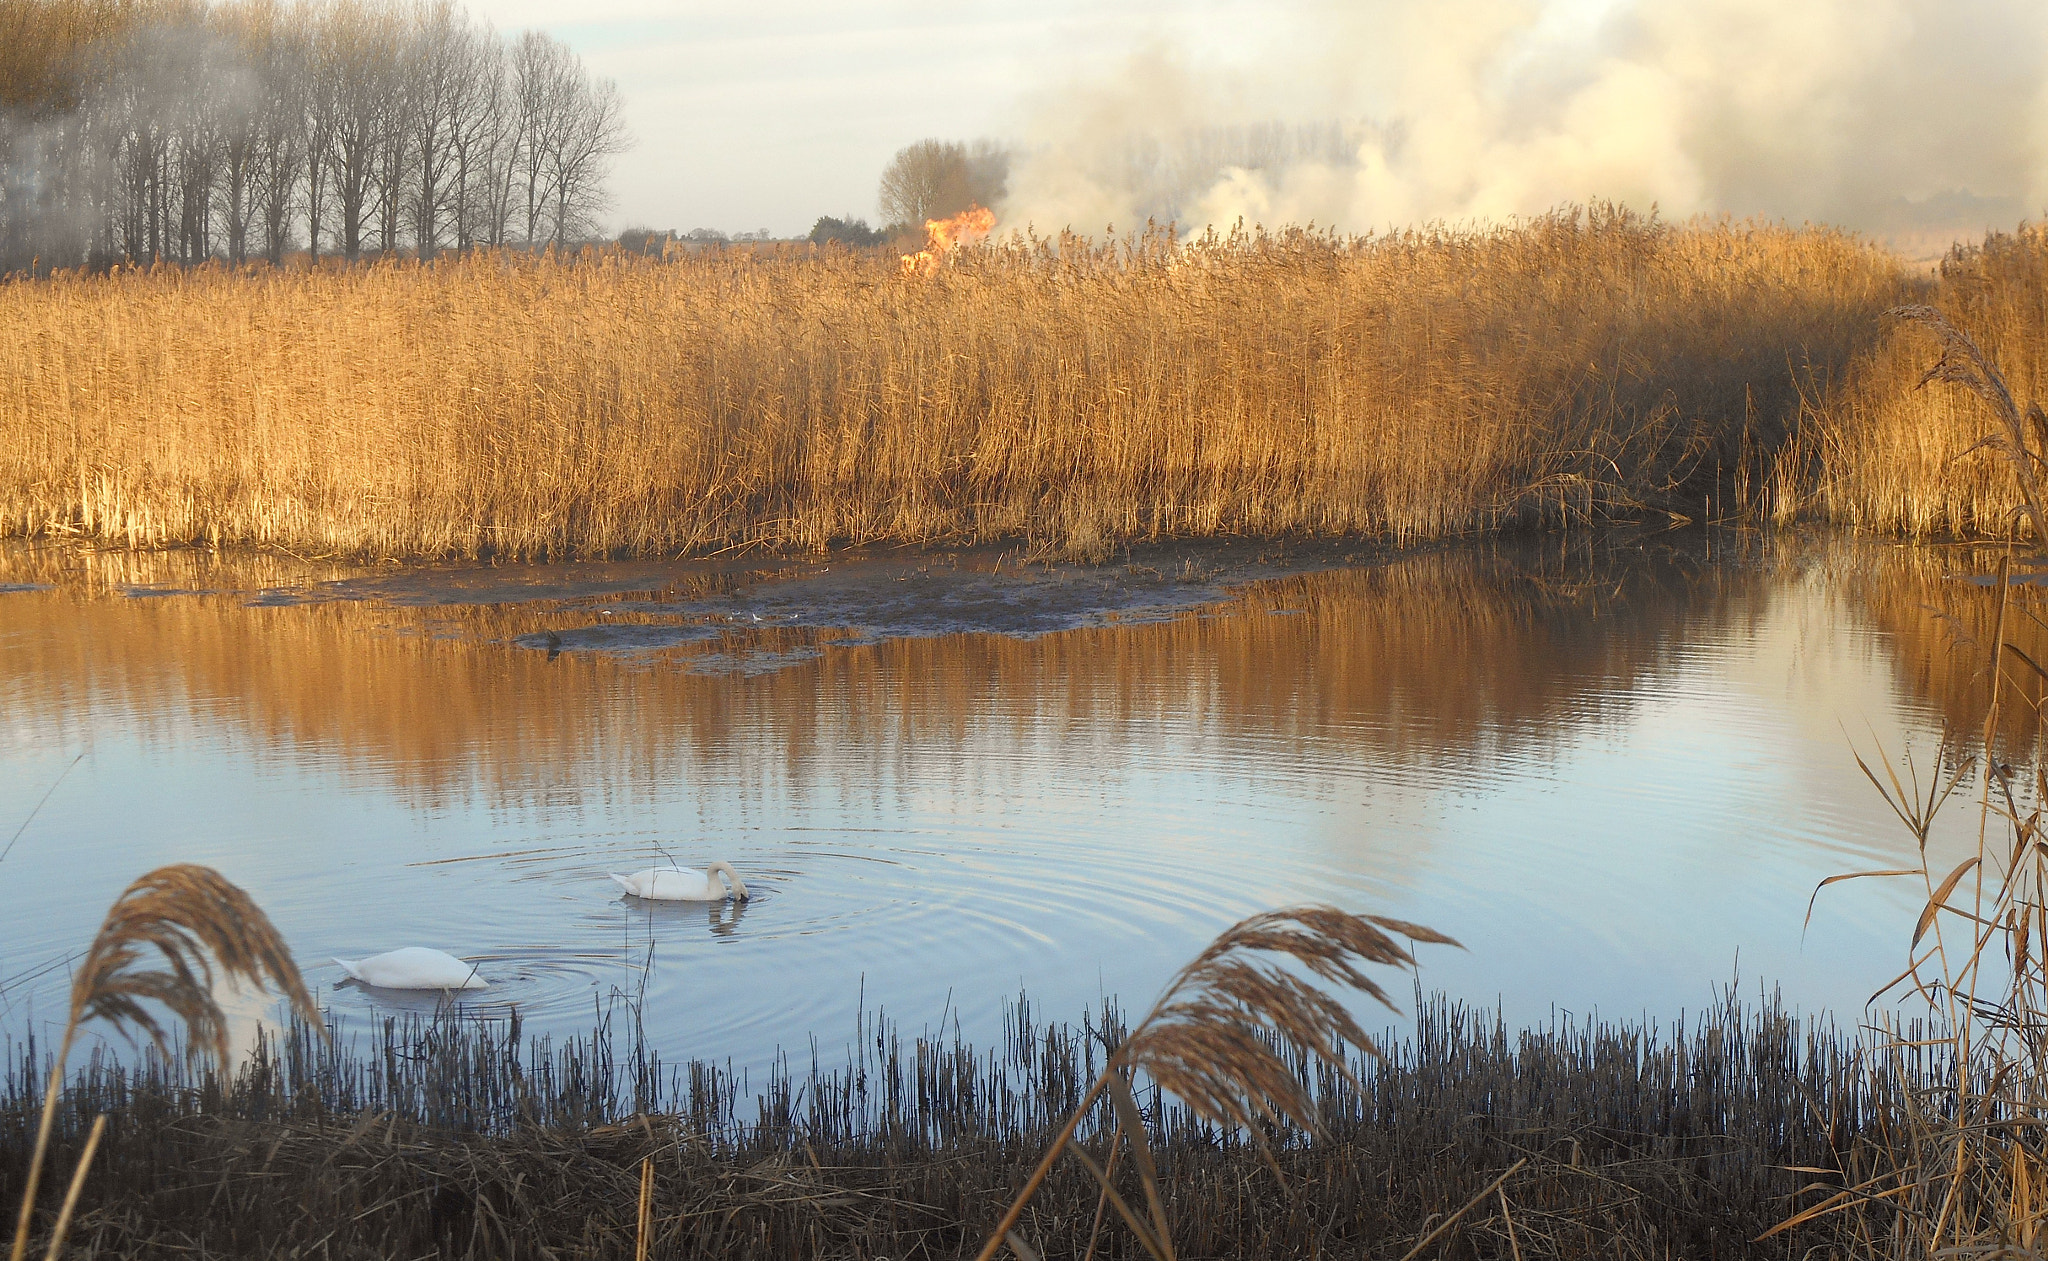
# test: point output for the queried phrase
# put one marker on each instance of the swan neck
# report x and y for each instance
(733, 884)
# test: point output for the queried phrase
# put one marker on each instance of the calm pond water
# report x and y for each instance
(1614, 771)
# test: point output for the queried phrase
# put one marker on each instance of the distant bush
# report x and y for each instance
(853, 232)
(645, 240)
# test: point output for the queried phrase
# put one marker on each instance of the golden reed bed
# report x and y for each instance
(1409, 386)
(1885, 455)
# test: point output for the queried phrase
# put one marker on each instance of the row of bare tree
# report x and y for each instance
(168, 129)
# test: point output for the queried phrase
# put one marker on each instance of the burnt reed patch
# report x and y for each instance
(463, 1138)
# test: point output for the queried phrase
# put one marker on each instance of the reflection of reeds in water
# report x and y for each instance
(1938, 627)
(462, 1138)
(1960, 1173)
(1412, 386)
(1439, 657)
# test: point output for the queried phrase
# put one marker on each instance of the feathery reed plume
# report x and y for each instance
(1217, 1039)
(197, 921)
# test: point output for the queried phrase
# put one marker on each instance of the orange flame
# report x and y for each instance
(942, 236)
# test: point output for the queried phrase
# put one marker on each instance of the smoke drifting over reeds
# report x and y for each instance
(1888, 116)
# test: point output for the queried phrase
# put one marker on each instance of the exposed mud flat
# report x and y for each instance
(742, 615)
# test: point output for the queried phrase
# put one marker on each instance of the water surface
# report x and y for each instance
(1614, 772)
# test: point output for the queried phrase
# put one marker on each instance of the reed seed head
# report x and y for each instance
(1218, 1037)
(195, 921)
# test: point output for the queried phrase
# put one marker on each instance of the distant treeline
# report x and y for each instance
(146, 130)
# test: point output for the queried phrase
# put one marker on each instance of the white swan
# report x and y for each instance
(681, 884)
(414, 968)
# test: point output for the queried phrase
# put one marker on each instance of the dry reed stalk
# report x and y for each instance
(1217, 1040)
(1962, 363)
(1417, 385)
(1498, 1184)
(640, 1238)
(195, 922)
(92, 1144)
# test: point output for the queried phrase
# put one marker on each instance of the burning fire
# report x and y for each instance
(942, 236)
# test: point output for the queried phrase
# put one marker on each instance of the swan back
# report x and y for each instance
(682, 884)
(414, 968)
(668, 884)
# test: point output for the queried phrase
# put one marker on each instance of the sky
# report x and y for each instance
(1888, 115)
(770, 114)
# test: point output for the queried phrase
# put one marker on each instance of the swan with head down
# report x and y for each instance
(684, 884)
(414, 968)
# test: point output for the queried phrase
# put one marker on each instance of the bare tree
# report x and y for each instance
(191, 129)
(239, 99)
(437, 62)
(936, 179)
(540, 78)
(394, 133)
(481, 126)
(354, 43)
(590, 132)
(53, 63)
(281, 57)
(320, 105)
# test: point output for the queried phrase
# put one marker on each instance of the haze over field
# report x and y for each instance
(1891, 115)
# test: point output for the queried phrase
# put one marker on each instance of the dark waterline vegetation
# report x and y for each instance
(463, 1137)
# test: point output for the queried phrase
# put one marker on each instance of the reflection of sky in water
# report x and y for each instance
(1606, 797)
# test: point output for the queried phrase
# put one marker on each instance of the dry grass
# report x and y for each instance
(1411, 386)
(1961, 1171)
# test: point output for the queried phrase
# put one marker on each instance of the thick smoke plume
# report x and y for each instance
(1887, 115)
